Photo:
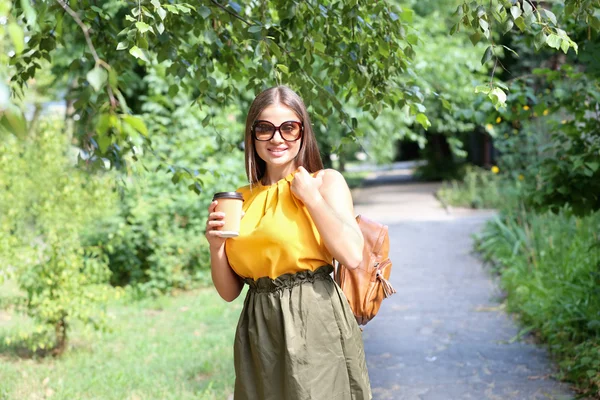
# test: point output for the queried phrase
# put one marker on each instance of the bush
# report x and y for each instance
(552, 139)
(550, 267)
(155, 242)
(46, 204)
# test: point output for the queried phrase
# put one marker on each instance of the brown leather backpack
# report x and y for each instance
(367, 286)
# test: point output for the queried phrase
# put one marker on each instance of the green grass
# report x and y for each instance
(549, 266)
(172, 347)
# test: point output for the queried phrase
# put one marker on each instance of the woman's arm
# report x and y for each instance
(332, 211)
(226, 281)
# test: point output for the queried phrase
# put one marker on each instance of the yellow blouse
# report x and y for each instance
(277, 234)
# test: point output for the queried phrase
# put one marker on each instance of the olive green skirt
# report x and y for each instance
(297, 339)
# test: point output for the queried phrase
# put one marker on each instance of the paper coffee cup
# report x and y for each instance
(230, 203)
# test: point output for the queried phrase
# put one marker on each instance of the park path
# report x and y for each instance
(444, 335)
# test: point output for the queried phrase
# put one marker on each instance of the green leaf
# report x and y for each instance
(483, 24)
(487, 56)
(162, 13)
(12, 121)
(17, 37)
(569, 8)
(511, 50)
(485, 89)
(412, 39)
(122, 45)
(553, 41)
(520, 22)
(539, 40)
(173, 90)
(160, 28)
(454, 28)
(475, 37)
(204, 11)
(516, 12)
(407, 15)
(446, 104)
(255, 29)
(104, 142)
(498, 97)
(527, 7)
(564, 46)
(136, 123)
(593, 165)
(550, 15)
(283, 68)
(320, 47)
(235, 6)
(97, 77)
(155, 3)
(423, 120)
(138, 53)
(393, 16)
(143, 27)
(29, 12)
(508, 25)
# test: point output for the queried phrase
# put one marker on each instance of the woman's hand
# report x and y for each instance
(214, 222)
(305, 187)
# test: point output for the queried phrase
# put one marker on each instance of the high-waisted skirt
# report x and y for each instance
(297, 339)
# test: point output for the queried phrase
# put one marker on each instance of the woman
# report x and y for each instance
(297, 337)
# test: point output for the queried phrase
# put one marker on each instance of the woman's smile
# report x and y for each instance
(277, 151)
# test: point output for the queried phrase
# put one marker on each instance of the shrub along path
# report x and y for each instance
(444, 335)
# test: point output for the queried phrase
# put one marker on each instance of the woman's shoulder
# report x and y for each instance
(244, 189)
(332, 176)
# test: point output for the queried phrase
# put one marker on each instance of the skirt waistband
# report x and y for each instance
(267, 285)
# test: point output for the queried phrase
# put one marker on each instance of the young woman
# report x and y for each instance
(297, 337)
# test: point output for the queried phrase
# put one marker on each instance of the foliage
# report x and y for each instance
(550, 139)
(484, 20)
(156, 242)
(46, 204)
(480, 188)
(549, 265)
(570, 171)
(220, 52)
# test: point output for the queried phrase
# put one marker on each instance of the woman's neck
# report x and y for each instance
(276, 173)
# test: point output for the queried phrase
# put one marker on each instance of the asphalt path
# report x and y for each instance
(445, 335)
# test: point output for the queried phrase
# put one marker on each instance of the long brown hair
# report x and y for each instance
(308, 156)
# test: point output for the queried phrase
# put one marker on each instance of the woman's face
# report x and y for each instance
(277, 151)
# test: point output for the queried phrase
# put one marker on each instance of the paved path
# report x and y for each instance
(444, 335)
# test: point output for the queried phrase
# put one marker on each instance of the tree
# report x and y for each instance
(330, 52)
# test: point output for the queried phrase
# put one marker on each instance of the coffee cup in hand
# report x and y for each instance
(229, 203)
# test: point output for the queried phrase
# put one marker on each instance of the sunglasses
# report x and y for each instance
(290, 131)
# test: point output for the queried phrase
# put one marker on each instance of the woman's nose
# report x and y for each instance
(277, 137)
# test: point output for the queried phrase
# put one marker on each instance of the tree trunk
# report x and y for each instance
(61, 337)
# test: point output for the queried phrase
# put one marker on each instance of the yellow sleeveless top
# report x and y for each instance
(277, 234)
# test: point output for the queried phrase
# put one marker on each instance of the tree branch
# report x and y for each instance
(235, 15)
(88, 39)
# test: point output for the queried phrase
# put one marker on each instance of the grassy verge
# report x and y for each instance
(550, 269)
(479, 189)
(178, 347)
